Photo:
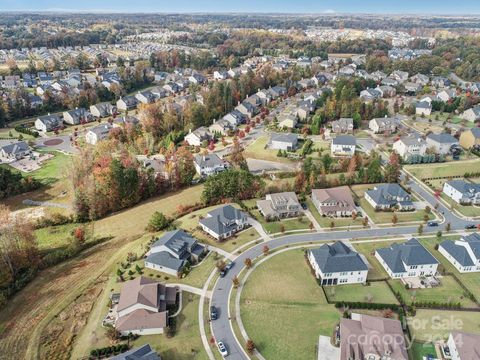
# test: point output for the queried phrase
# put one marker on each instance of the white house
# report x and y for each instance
(337, 264)
(48, 123)
(284, 141)
(462, 192)
(423, 108)
(410, 145)
(381, 125)
(463, 346)
(198, 136)
(464, 254)
(409, 259)
(224, 222)
(343, 145)
(210, 164)
(442, 143)
(97, 133)
(472, 114)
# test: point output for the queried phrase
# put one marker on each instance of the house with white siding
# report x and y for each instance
(464, 253)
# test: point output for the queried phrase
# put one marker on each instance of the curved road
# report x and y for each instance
(221, 327)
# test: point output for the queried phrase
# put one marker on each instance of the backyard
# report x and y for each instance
(444, 170)
(283, 291)
(374, 292)
(258, 150)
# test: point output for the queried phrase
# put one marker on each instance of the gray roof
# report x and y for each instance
(475, 132)
(387, 194)
(288, 138)
(338, 258)
(144, 352)
(102, 130)
(15, 148)
(460, 253)
(177, 241)
(442, 138)
(409, 253)
(423, 105)
(166, 260)
(344, 140)
(464, 187)
(210, 160)
(221, 220)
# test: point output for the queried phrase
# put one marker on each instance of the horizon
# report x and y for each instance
(299, 7)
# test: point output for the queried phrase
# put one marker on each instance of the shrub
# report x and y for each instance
(158, 222)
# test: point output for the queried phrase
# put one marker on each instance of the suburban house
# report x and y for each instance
(198, 136)
(127, 103)
(288, 121)
(370, 94)
(462, 192)
(343, 145)
(142, 307)
(280, 205)
(77, 116)
(334, 202)
(388, 197)
(472, 114)
(15, 151)
(248, 109)
(370, 337)
(442, 143)
(220, 75)
(381, 125)
(470, 138)
(408, 259)
(463, 346)
(342, 126)
(447, 94)
(144, 352)
(48, 123)
(337, 264)
(103, 109)
(145, 97)
(209, 164)
(98, 133)
(410, 145)
(423, 108)
(155, 163)
(284, 141)
(222, 127)
(173, 251)
(224, 221)
(464, 254)
(235, 117)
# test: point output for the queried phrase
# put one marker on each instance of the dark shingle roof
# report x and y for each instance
(338, 258)
(166, 260)
(409, 253)
(220, 219)
(144, 352)
(344, 140)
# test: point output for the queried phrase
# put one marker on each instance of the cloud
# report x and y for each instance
(329, 11)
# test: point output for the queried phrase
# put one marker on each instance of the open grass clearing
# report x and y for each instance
(259, 150)
(419, 349)
(433, 325)
(444, 170)
(449, 291)
(283, 291)
(374, 292)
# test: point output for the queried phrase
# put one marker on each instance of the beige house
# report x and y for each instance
(334, 202)
(470, 138)
(280, 205)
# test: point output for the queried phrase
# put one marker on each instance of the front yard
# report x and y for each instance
(284, 225)
(326, 222)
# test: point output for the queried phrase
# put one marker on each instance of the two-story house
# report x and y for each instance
(209, 164)
(408, 146)
(224, 222)
(464, 253)
(462, 192)
(334, 202)
(388, 197)
(280, 205)
(343, 145)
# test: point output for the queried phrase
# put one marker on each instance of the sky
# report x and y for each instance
(447, 7)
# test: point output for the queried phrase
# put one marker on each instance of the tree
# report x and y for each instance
(394, 219)
(112, 333)
(248, 263)
(392, 170)
(326, 162)
(250, 346)
(266, 250)
(332, 224)
(282, 228)
(425, 218)
(221, 265)
(374, 170)
(79, 235)
(439, 234)
(235, 281)
(448, 227)
(365, 222)
(158, 222)
(420, 229)
(311, 226)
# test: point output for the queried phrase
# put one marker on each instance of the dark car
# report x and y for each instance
(432, 223)
(470, 226)
(304, 206)
(213, 313)
(229, 265)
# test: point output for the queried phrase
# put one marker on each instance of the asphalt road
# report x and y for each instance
(222, 330)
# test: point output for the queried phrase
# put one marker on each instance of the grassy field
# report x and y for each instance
(444, 169)
(419, 350)
(375, 292)
(132, 222)
(273, 227)
(325, 222)
(448, 292)
(376, 270)
(282, 291)
(190, 223)
(385, 217)
(432, 325)
(258, 150)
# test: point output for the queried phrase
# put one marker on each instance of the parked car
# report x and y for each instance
(229, 265)
(213, 313)
(223, 273)
(222, 348)
(470, 226)
(432, 223)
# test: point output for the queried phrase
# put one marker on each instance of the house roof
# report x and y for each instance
(177, 241)
(220, 220)
(475, 132)
(344, 140)
(15, 148)
(464, 187)
(408, 253)
(141, 291)
(167, 260)
(459, 249)
(387, 194)
(102, 130)
(144, 352)
(210, 160)
(338, 257)
(341, 196)
(142, 319)
(468, 345)
(443, 138)
(287, 138)
(364, 335)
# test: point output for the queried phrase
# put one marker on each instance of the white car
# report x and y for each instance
(222, 348)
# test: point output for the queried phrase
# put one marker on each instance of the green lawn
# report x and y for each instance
(273, 227)
(419, 350)
(375, 292)
(385, 217)
(432, 325)
(376, 271)
(190, 221)
(325, 222)
(444, 169)
(258, 150)
(284, 310)
(448, 292)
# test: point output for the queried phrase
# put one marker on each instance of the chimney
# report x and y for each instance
(190, 130)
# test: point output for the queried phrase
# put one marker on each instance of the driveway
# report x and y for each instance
(326, 351)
